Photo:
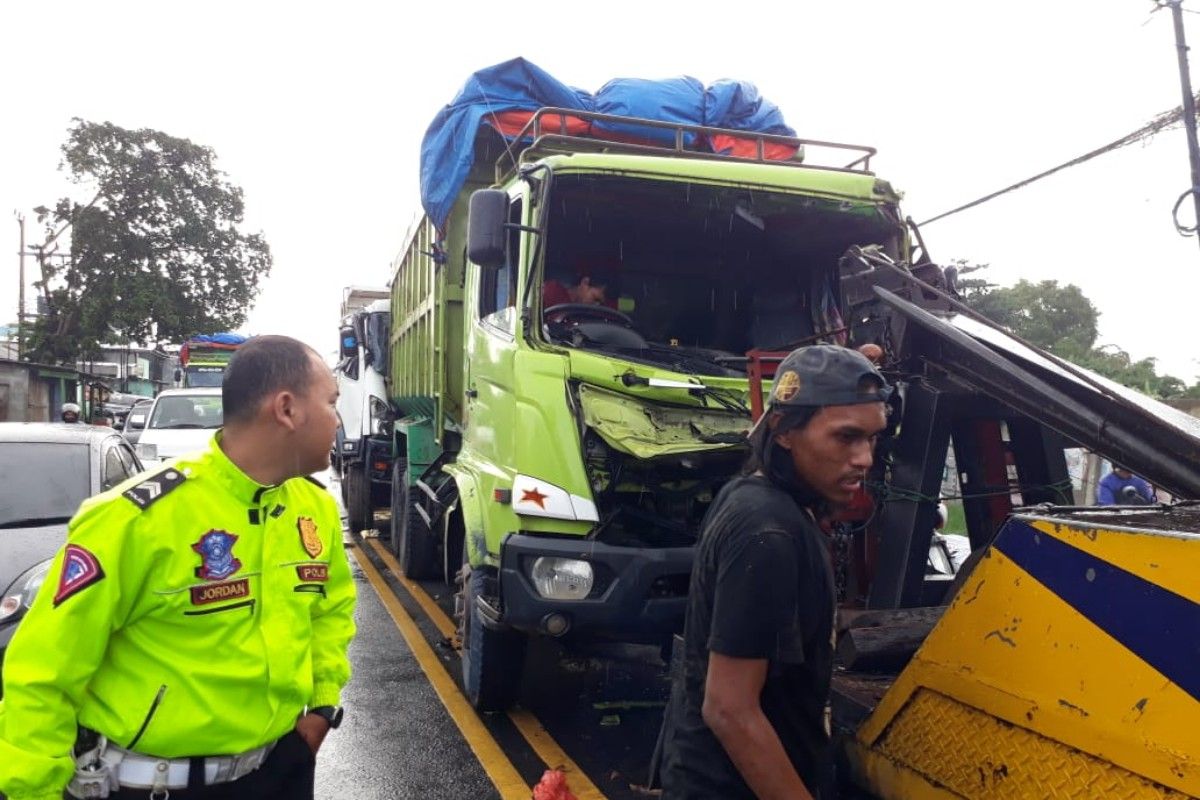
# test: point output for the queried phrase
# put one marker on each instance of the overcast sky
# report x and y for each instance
(317, 111)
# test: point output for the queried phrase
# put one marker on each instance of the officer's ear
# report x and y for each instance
(284, 409)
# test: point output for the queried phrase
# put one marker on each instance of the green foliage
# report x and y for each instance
(1058, 318)
(1063, 320)
(157, 255)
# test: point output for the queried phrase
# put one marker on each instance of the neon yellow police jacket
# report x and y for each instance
(191, 612)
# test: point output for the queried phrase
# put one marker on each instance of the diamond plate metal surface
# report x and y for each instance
(976, 755)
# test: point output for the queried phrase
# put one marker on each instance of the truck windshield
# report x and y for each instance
(378, 326)
(707, 270)
(205, 377)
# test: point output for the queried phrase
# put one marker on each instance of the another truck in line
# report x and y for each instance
(203, 359)
(362, 454)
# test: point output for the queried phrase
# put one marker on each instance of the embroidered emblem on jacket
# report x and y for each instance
(80, 569)
(216, 553)
(309, 537)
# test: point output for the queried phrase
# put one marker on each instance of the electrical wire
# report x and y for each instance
(1162, 122)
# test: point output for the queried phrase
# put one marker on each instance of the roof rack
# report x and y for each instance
(546, 132)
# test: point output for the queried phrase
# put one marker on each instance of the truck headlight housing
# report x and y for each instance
(381, 416)
(146, 451)
(562, 578)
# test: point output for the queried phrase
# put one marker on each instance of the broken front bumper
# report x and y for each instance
(638, 594)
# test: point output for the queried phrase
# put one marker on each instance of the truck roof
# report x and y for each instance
(355, 298)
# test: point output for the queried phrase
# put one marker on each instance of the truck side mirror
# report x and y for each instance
(136, 422)
(348, 342)
(485, 228)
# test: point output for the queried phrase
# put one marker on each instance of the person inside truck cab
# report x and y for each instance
(587, 289)
(748, 716)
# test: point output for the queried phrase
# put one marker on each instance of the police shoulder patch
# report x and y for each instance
(80, 569)
(154, 488)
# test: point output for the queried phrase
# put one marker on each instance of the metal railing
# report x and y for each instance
(547, 131)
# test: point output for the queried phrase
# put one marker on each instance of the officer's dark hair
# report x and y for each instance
(260, 367)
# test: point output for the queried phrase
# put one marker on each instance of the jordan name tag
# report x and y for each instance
(216, 592)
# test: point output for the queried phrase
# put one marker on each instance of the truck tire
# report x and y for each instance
(491, 659)
(357, 487)
(415, 546)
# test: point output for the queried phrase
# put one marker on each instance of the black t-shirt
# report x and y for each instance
(761, 587)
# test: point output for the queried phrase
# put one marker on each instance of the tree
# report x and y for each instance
(1063, 320)
(156, 254)
(1058, 318)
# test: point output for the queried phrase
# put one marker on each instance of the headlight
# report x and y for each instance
(562, 578)
(146, 452)
(20, 595)
(380, 416)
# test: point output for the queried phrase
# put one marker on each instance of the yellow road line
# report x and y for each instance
(491, 757)
(444, 624)
(535, 734)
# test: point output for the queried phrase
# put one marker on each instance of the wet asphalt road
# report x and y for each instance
(601, 705)
(396, 740)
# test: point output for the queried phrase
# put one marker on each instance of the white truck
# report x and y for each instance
(363, 450)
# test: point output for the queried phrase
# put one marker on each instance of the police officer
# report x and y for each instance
(748, 715)
(190, 639)
(70, 412)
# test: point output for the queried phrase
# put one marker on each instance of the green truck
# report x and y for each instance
(559, 466)
(203, 359)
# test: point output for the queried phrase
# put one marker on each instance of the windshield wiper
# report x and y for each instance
(724, 398)
(179, 426)
(34, 522)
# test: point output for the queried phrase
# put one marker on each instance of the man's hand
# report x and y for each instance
(312, 729)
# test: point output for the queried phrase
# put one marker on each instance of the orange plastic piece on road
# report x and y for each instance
(553, 786)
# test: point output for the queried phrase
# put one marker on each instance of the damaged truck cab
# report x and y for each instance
(573, 450)
(556, 459)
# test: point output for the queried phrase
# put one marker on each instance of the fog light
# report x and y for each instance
(562, 578)
(555, 624)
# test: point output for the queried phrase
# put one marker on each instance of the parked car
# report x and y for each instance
(134, 421)
(119, 404)
(180, 421)
(46, 471)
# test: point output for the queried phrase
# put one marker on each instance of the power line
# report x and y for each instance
(1157, 125)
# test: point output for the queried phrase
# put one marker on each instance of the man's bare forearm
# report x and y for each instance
(755, 749)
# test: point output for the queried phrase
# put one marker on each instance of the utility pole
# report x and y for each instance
(21, 290)
(1189, 104)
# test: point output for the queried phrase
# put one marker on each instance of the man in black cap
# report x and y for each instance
(749, 717)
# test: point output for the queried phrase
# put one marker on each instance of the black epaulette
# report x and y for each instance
(155, 488)
(311, 479)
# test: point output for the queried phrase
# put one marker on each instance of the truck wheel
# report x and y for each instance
(414, 544)
(491, 660)
(357, 487)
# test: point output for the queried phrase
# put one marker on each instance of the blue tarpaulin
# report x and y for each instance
(218, 338)
(448, 148)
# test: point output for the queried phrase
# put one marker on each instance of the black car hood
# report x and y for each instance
(22, 548)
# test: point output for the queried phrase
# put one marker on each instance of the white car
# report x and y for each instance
(180, 421)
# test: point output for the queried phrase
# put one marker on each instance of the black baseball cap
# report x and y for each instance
(824, 375)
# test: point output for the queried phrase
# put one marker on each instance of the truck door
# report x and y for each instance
(491, 344)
